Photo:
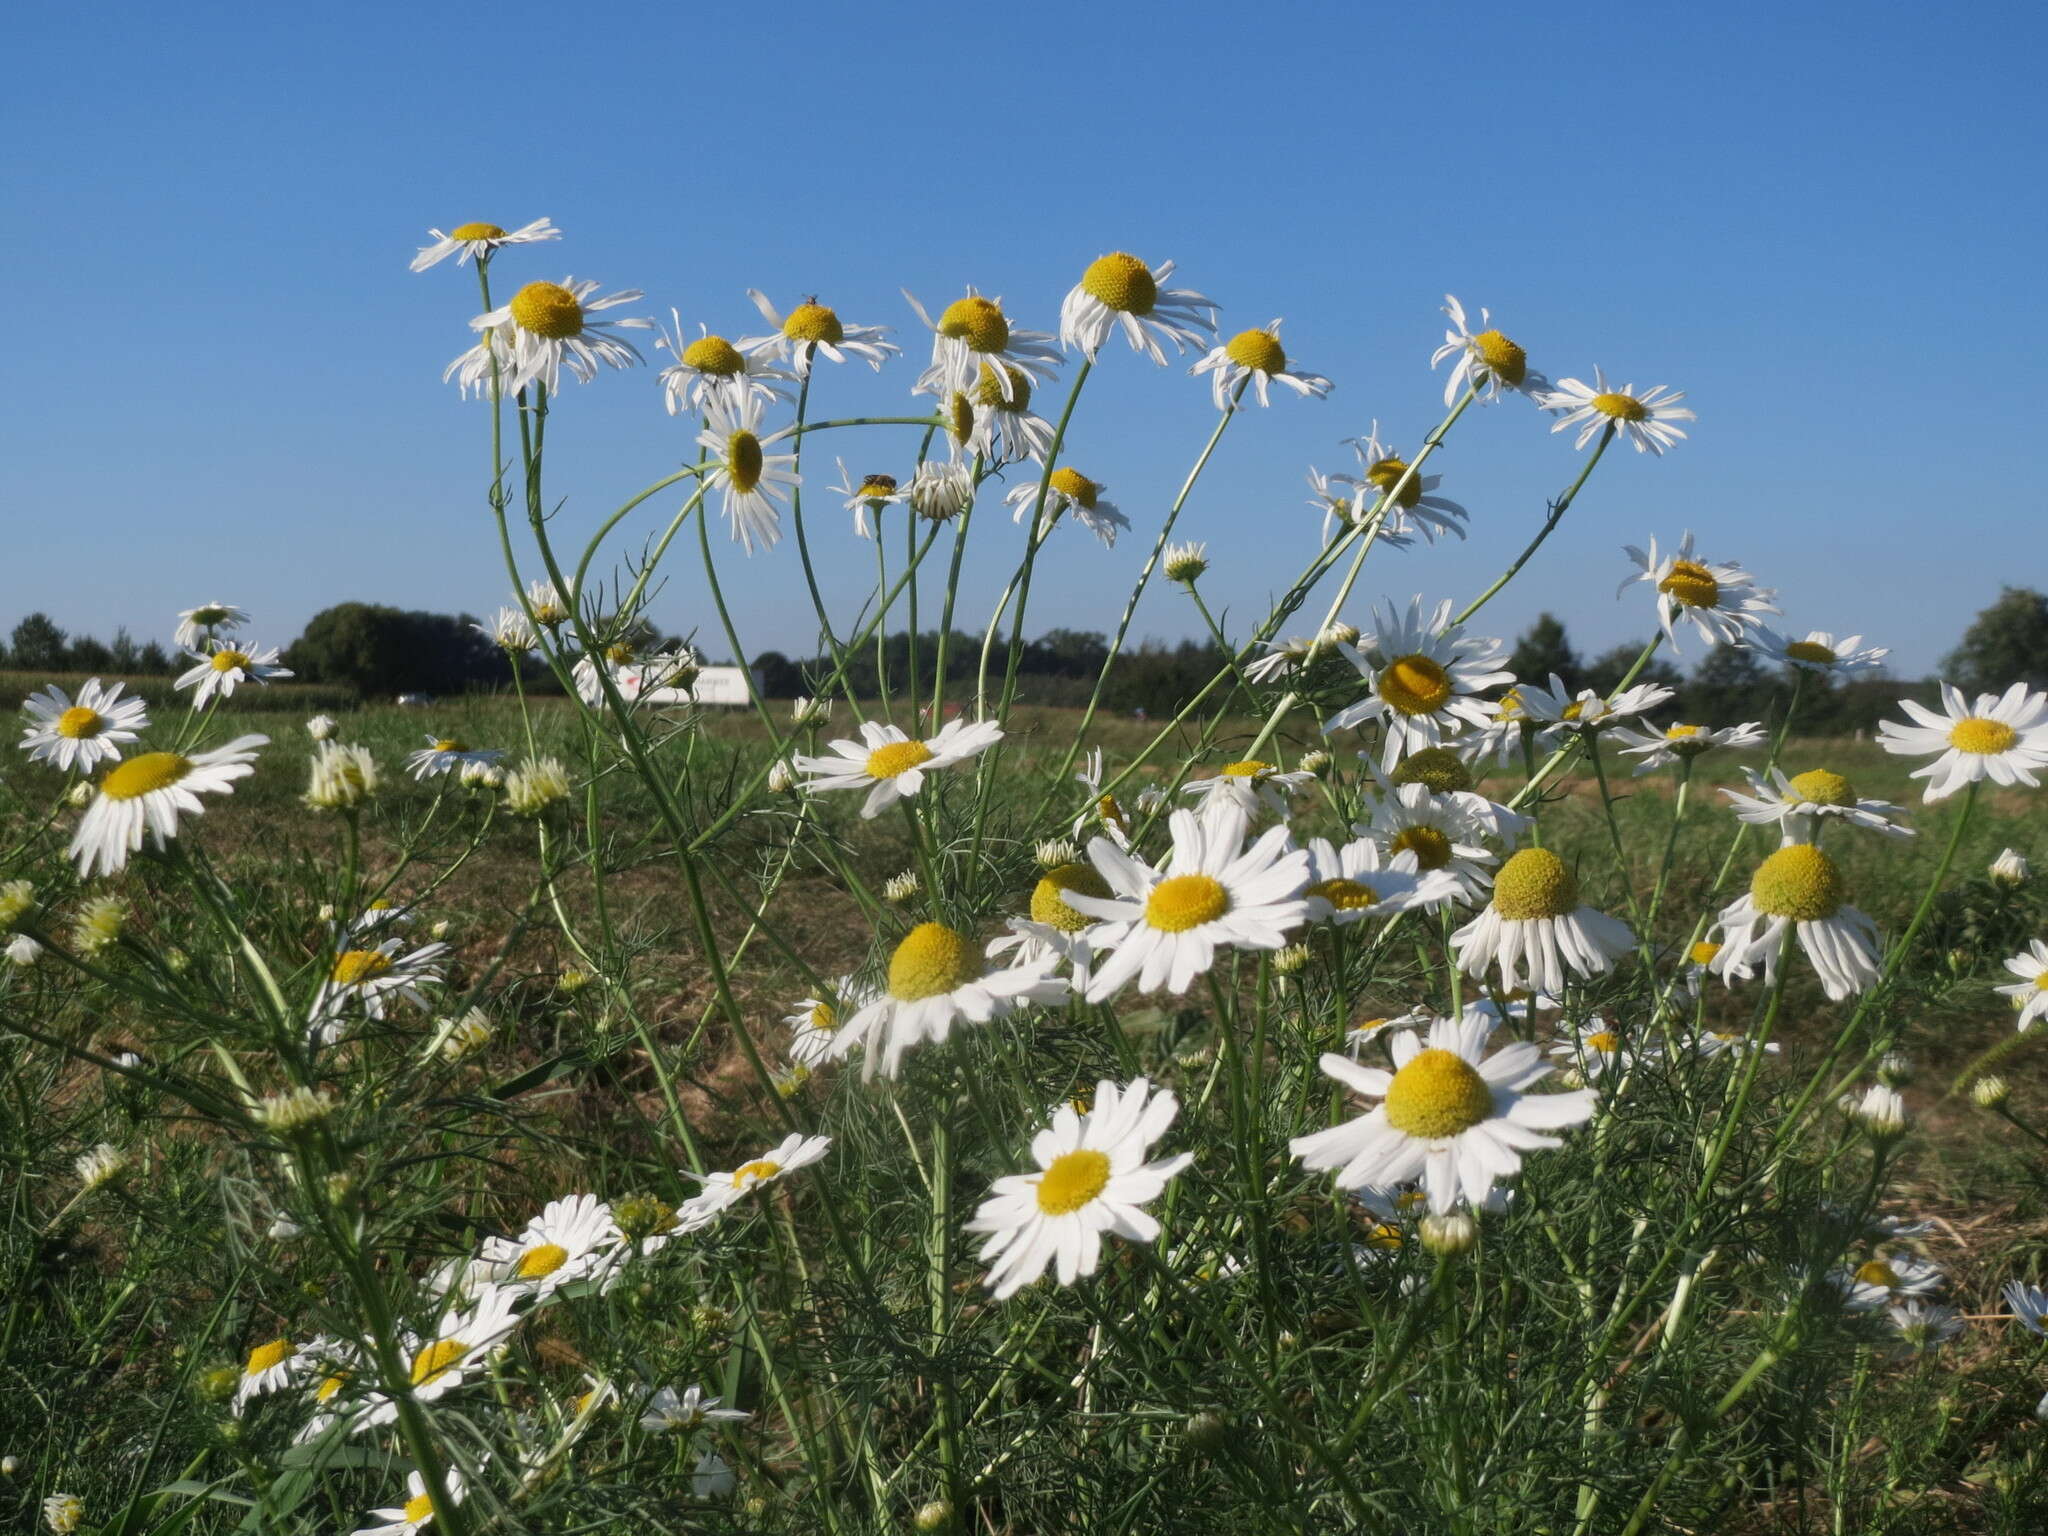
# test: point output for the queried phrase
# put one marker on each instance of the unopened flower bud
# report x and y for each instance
(1054, 852)
(1185, 563)
(1292, 960)
(572, 981)
(1894, 1069)
(218, 1384)
(1313, 762)
(2010, 869)
(1448, 1235)
(781, 778)
(79, 796)
(321, 728)
(102, 1165)
(807, 711)
(1881, 1112)
(294, 1110)
(935, 1516)
(1989, 1091)
(1205, 1430)
(902, 888)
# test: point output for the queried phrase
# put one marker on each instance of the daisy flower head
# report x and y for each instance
(1354, 882)
(972, 331)
(1921, 1326)
(1339, 499)
(1439, 832)
(1884, 1280)
(2029, 1305)
(374, 976)
(572, 1239)
(866, 497)
(1446, 773)
(1653, 748)
(1596, 1049)
(2030, 993)
(221, 667)
(1165, 925)
(1484, 361)
(1535, 926)
(270, 1365)
(1092, 1178)
(1648, 419)
(479, 242)
(815, 1021)
(1797, 803)
(754, 480)
(447, 754)
(1798, 889)
(441, 1358)
(546, 604)
(1001, 425)
(1385, 474)
(545, 328)
(941, 490)
(1251, 786)
(1450, 1116)
(712, 371)
(811, 330)
(147, 793)
(417, 1512)
(671, 1412)
(2002, 737)
(1730, 1043)
(198, 625)
(891, 765)
(936, 978)
(1723, 602)
(510, 630)
(1255, 359)
(2010, 869)
(1118, 291)
(1560, 712)
(78, 735)
(340, 777)
(1424, 679)
(795, 1151)
(1881, 1111)
(1821, 653)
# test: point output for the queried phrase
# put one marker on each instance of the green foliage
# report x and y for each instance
(2007, 644)
(1543, 651)
(384, 651)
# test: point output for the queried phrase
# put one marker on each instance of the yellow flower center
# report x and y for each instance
(419, 1509)
(1692, 584)
(976, 321)
(1811, 650)
(1108, 809)
(1345, 895)
(759, 1171)
(1386, 474)
(1703, 952)
(1048, 905)
(358, 967)
(878, 487)
(1605, 1041)
(824, 1018)
(1122, 282)
(437, 1359)
(1381, 1236)
(1509, 706)
(264, 1356)
(1076, 487)
(1438, 1094)
(1532, 884)
(1824, 788)
(814, 322)
(714, 355)
(144, 775)
(1503, 359)
(1877, 1272)
(476, 232)
(229, 661)
(78, 723)
(897, 757)
(931, 960)
(1246, 768)
(988, 389)
(540, 1261)
(1438, 768)
(1620, 407)
(1431, 847)
(329, 1385)
(1799, 882)
(1982, 736)
(1181, 902)
(959, 417)
(1074, 1179)
(1573, 710)
(1257, 350)
(548, 310)
(1414, 685)
(618, 654)
(450, 744)
(743, 460)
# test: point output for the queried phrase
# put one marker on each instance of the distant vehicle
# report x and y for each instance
(725, 686)
(415, 700)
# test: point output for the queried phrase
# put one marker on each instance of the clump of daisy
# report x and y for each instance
(535, 785)
(76, 736)
(196, 626)
(1485, 361)
(891, 765)
(1118, 291)
(340, 777)
(2001, 737)
(2030, 993)
(1800, 802)
(1722, 602)
(1535, 926)
(1819, 652)
(1647, 418)
(1424, 679)
(937, 978)
(147, 794)
(1092, 1178)
(1655, 749)
(221, 668)
(545, 328)
(1255, 359)
(814, 330)
(1798, 888)
(479, 242)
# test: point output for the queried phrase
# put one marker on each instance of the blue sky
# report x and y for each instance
(1824, 222)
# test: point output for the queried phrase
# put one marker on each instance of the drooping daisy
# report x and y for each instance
(198, 625)
(545, 328)
(447, 754)
(1795, 804)
(1535, 920)
(374, 976)
(222, 667)
(1486, 360)
(890, 765)
(1424, 676)
(754, 480)
(1885, 1279)
(2003, 738)
(147, 793)
(1120, 291)
(1655, 749)
(417, 1513)
(972, 331)
(1339, 498)
(1069, 490)
(1439, 831)
(1649, 420)
(1921, 1326)
(1165, 925)
(270, 1365)
(1002, 425)
(712, 372)
(440, 1359)
(941, 490)
(467, 242)
(1092, 1178)
(816, 1020)
(866, 497)
(1055, 928)
(936, 978)
(1349, 884)
(1798, 888)
(1881, 1111)
(510, 630)
(1450, 1116)
(2030, 992)
(63, 1513)
(1820, 652)
(1723, 602)
(545, 603)
(670, 1412)
(572, 1239)
(795, 1151)
(1251, 786)
(1560, 712)
(812, 329)
(77, 736)
(1384, 477)
(1255, 358)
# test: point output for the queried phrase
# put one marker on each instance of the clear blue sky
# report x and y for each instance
(1825, 222)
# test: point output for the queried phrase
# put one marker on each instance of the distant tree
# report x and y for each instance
(123, 653)
(1544, 649)
(154, 660)
(383, 650)
(37, 644)
(1605, 671)
(1729, 685)
(2007, 644)
(780, 677)
(86, 654)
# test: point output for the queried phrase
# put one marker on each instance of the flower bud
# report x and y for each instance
(935, 1516)
(1881, 1112)
(2010, 869)
(1205, 1430)
(218, 1384)
(1989, 1091)
(1448, 1235)
(79, 796)
(781, 778)
(1292, 960)
(321, 728)
(1894, 1069)
(1313, 762)
(902, 888)
(1185, 563)
(807, 711)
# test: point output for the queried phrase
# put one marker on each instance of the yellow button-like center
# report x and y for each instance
(1534, 884)
(714, 355)
(229, 661)
(1620, 407)
(1181, 902)
(978, 322)
(931, 960)
(419, 1509)
(1799, 882)
(1824, 788)
(1074, 1179)
(1246, 768)
(79, 723)
(814, 322)
(548, 310)
(144, 774)
(1345, 895)
(743, 460)
(329, 1385)
(989, 388)
(1414, 685)
(540, 1261)
(1811, 650)
(1258, 350)
(450, 744)
(1431, 847)
(437, 1359)
(1877, 1272)
(897, 757)
(1075, 486)
(1387, 473)
(1048, 904)
(1438, 1094)
(1703, 952)
(878, 487)
(1440, 769)
(476, 232)
(1692, 584)
(758, 1171)
(264, 1356)
(1982, 736)
(1605, 1041)
(357, 967)
(1503, 359)
(1122, 282)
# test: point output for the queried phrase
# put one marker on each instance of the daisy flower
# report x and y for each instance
(1055, 927)
(63, 1513)
(1798, 889)
(446, 754)
(2030, 992)
(1881, 1111)
(1409, 506)
(1678, 743)
(1450, 1116)
(1002, 425)
(1068, 490)
(795, 1151)
(1885, 1279)
(1486, 361)
(1425, 681)
(891, 766)
(812, 329)
(1353, 882)
(1439, 831)
(815, 1022)
(545, 603)
(1648, 420)
(668, 1412)
(270, 1365)
(1257, 359)
(147, 793)
(1447, 778)
(1535, 921)
(466, 242)
(545, 328)
(1339, 498)
(1798, 803)
(1103, 811)
(1723, 602)
(753, 479)
(712, 371)
(374, 976)
(2003, 738)
(222, 667)
(972, 331)
(1251, 786)
(2010, 869)
(866, 497)
(1165, 925)
(438, 1361)
(1923, 1327)
(509, 629)
(1561, 712)
(1725, 1042)
(935, 979)
(417, 1513)
(572, 1239)
(1120, 291)
(1092, 1178)
(198, 625)
(2029, 1305)
(1596, 1049)
(1820, 652)
(77, 736)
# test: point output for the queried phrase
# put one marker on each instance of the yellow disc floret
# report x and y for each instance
(812, 321)
(1385, 474)
(1181, 902)
(1438, 768)
(1824, 788)
(897, 757)
(476, 232)
(144, 775)
(714, 355)
(931, 960)
(264, 1356)
(1703, 952)
(1503, 359)
(1430, 845)
(1981, 736)
(437, 1359)
(1258, 350)
(419, 1509)
(1605, 1041)
(79, 723)
(1414, 685)
(759, 1171)
(548, 310)
(1619, 407)
(1533, 884)
(989, 388)
(1048, 897)
(1122, 282)
(1438, 1094)
(1074, 1180)
(743, 460)
(976, 321)
(358, 967)
(1799, 882)
(540, 1261)
(1246, 768)
(1692, 584)
(1811, 650)
(1877, 1272)
(1076, 487)
(229, 661)
(1345, 895)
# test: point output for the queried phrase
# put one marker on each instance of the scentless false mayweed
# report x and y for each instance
(1722, 602)
(813, 330)
(2000, 737)
(974, 330)
(2010, 869)
(1424, 676)
(1118, 291)
(1536, 927)
(197, 625)
(76, 736)
(479, 242)
(98, 924)
(1798, 803)
(936, 978)
(535, 785)
(1798, 888)
(2030, 993)
(296, 1109)
(1255, 359)
(1485, 361)
(890, 765)
(1185, 563)
(340, 777)
(100, 1166)
(545, 328)
(1648, 419)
